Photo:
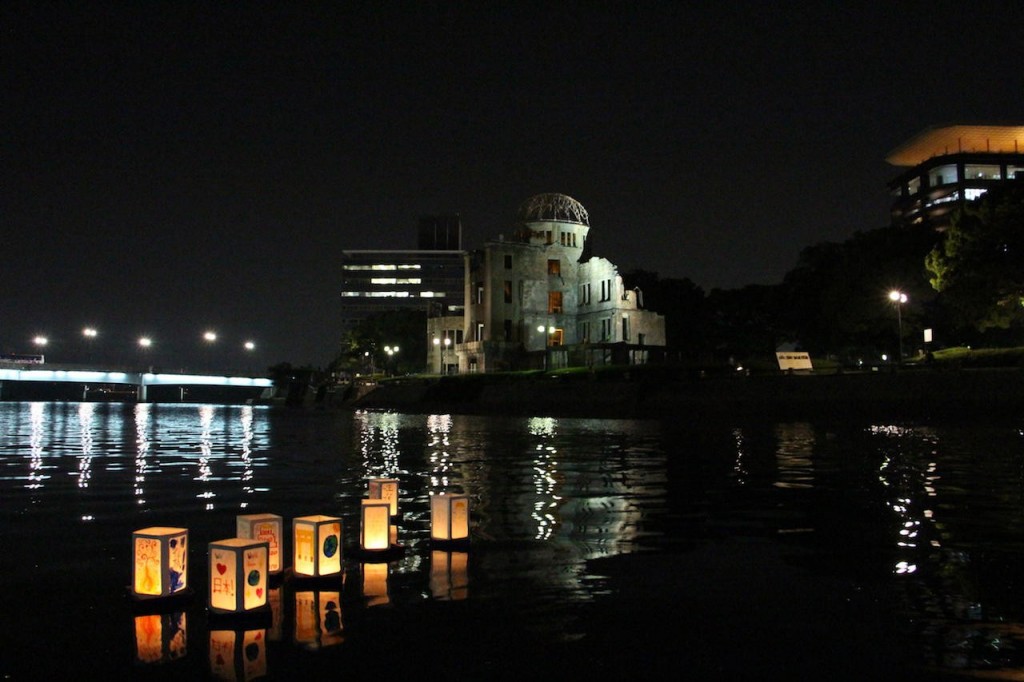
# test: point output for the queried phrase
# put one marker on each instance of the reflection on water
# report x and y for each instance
(931, 513)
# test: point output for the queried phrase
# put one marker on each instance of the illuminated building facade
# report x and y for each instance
(429, 278)
(947, 166)
(538, 298)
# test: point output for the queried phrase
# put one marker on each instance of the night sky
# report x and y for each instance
(173, 167)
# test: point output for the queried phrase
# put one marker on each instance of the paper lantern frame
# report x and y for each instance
(449, 518)
(159, 562)
(317, 546)
(375, 525)
(238, 575)
(385, 489)
(268, 528)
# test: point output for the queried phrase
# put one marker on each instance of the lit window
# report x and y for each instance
(554, 266)
(554, 301)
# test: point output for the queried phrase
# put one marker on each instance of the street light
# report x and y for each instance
(444, 352)
(89, 333)
(40, 340)
(898, 298)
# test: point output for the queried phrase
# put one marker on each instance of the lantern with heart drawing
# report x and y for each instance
(238, 575)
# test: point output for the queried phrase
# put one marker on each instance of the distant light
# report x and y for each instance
(145, 342)
(40, 340)
(89, 332)
(897, 296)
(541, 328)
(249, 345)
(210, 336)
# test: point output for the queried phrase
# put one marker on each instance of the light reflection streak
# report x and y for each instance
(85, 417)
(439, 428)
(545, 480)
(205, 452)
(739, 467)
(35, 463)
(793, 455)
(382, 461)
(142, 417)
(246, 454)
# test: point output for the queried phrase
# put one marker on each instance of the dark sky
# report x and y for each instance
(169, 167)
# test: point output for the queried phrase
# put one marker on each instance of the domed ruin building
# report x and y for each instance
(537, 298)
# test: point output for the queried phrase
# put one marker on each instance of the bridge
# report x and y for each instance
(104, 384)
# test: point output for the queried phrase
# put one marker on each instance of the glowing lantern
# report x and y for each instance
(318, 618)
(267, 528)
(449, 517)
(317, 544)
(238, 654)
(161, 562)
(385, 489)
(238, 575)
(375, 526)
(160, 637)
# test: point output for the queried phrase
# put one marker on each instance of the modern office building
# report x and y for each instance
(430, 278)
(947, 166)
(538, 298)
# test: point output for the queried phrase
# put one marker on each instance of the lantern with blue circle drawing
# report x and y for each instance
(238, 575)
(316, 541)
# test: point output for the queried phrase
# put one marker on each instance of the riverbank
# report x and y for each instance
(904, 394)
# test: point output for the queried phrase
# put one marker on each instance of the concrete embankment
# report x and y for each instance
(876, 395)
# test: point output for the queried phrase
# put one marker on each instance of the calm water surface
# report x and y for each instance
(609, 547)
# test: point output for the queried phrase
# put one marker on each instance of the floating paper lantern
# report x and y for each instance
(238, 654)
(160, 637)
(449, 517)
(238, 575)
(317, 544)
(267, 528)
(375, 525)
(318, 618)
(160, 566)
(385, 489)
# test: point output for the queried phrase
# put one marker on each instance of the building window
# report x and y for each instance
(556, 338)
(583, 332)
(508, 291)
(479, 331)
(606, 329)
(554, 301)
(913, 186)
(942, 175)
(508, 262)
(548, 237)
(508, 330)
(976, 171)
(479, 293)
(606, 290)
(554, 266)
(1013, 172)
(625, 328)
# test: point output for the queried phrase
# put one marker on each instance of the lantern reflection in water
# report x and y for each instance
(160, 567)
(267, 528)
(317, 544)
(238, 654)
(375, 583)
(160, 637)
(449, 580)
(318, 618)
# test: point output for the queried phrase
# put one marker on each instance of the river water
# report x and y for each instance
(748, 549)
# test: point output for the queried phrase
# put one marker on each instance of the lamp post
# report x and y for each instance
(898, 298)
(444, 352)
(392, 351)
(210, 337)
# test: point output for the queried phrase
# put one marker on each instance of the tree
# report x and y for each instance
(978, 267)
(367, 340)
